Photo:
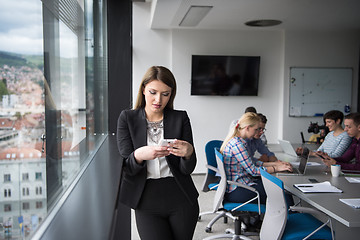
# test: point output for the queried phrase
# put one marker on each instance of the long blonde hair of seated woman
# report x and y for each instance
(247, 119)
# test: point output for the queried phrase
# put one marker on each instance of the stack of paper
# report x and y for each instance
(353, 202)
(353, 179)
(323, 187)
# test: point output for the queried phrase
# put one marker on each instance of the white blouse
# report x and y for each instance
(158, 167)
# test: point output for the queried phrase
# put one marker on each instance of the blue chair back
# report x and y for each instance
(210, 154)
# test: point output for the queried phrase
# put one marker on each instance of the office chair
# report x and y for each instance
(211, 182)
(237, 210)
(279, 224)
(211, 179)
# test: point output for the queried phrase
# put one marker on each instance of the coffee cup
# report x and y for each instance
(335, 170)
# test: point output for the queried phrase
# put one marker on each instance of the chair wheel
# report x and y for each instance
(208, 229)
(227, 231)
(199, 218)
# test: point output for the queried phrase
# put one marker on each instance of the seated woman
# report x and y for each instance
(350, 160)
(337, 140)
(238, 164)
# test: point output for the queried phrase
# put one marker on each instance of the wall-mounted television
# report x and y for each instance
(225, 75)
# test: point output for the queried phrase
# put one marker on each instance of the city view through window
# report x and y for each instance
(22, 119)
(47, 106)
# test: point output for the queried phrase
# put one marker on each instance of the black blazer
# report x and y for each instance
(132, 134)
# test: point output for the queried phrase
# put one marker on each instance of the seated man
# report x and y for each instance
(352, 127)
(256, 144)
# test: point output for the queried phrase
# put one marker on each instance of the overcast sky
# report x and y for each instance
(21, 26)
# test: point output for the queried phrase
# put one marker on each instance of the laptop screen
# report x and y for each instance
(287, 147)
(303, 160)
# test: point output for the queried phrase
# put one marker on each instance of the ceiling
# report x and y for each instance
(318, 15)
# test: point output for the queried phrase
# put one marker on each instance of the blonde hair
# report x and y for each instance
(247, 119)
(157, 73)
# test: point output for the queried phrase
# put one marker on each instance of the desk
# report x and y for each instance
(347, 224)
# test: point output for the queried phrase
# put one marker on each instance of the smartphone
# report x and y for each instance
(313, 180)
(165, 142)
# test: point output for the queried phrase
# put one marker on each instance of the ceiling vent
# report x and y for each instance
(194, 15)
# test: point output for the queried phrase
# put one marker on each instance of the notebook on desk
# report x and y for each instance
(302, 166)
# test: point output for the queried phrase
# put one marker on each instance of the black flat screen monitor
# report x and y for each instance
(225, 75)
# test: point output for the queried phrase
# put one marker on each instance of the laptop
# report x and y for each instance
(287, 148)
(302, 165)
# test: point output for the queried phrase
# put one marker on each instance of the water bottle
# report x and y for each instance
(347, 108)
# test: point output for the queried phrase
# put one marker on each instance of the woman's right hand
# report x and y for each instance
(150, 152)
(283, 167)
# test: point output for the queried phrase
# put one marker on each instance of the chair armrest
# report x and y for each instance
(212, 168)
(257, 198)
(242, 185)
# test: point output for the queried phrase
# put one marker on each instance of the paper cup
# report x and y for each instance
(335, 170)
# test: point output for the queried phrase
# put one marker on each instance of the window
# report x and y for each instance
(39, 204)
(38, 190)
(38, 176)
(53, 85)
(25, 191)
(25, 176)
(7, 207)
(7, 178)
(26, 206)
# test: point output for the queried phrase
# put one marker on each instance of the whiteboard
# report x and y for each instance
(315, 91)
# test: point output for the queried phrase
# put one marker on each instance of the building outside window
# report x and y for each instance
(53, 101)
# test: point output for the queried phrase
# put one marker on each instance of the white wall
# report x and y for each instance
(318, 49)
(211, 115)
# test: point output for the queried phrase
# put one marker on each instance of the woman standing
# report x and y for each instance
(238, 164)
(156, 181)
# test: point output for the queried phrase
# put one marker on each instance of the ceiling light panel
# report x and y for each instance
(194, 15)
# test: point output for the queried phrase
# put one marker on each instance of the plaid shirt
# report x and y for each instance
(239, 166)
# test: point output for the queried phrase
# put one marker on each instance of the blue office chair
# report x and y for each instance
(279, 224)
(211, 182)
(237, 210)
(211, 178)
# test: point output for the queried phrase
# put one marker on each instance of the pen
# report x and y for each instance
(305, 186)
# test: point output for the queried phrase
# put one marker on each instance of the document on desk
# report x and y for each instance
(353, 202)
(323, 187)
(353, 179)
(308, 164)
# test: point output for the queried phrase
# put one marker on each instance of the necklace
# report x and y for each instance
(155, 130)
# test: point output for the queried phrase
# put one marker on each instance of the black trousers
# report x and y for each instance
(164, 212)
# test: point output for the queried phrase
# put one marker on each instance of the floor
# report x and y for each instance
(205, 202)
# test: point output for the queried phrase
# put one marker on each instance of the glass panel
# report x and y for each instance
(53, 103)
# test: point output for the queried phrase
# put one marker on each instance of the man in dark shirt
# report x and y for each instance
(352, 127)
